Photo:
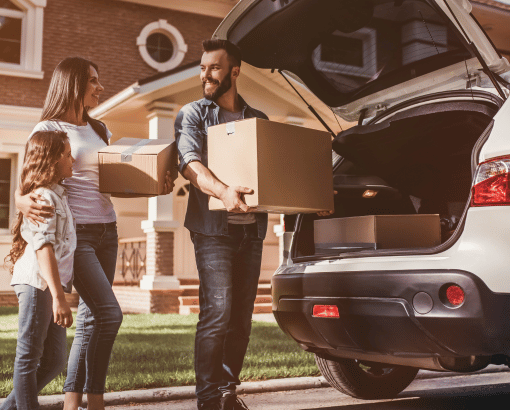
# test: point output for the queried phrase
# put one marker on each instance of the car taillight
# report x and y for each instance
(330, 311)
(492, 183)
(455, 295)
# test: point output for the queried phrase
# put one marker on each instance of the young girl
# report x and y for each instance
(42, 255)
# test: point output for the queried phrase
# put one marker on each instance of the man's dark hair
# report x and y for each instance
(233, 52)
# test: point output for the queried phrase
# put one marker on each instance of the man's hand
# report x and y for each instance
(169, 183)
(232, 198)
(62, 315)
(32, 210)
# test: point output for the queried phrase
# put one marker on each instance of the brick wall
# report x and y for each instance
(160, 255)
(8, 298)
(104, 31)
(132, 299)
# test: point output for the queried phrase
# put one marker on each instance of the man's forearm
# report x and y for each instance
(201, 177)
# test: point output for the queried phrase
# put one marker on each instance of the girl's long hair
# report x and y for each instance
(67, 91)
(42, 152)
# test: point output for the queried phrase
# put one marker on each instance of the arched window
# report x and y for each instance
(161, 45)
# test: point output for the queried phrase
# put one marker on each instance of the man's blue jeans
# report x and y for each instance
(229, 270)
(41, 350)
(99, 315)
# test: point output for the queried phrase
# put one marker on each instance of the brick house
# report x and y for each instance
(148, 53)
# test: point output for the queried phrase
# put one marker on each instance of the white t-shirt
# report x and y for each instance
(87, 203)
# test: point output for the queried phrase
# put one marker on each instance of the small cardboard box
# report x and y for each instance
(376, 232)
(288, 167)
(133, 166)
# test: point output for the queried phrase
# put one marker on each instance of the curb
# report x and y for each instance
(56, 402)
(161, 394)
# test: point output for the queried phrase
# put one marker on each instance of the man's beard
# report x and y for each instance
(222, 88)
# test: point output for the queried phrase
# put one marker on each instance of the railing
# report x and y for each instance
(131, 261)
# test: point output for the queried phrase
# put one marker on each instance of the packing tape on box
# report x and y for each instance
(126, 155)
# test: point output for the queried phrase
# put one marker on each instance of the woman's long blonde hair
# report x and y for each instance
(42, 152)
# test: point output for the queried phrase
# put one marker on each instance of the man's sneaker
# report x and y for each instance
(232, 402)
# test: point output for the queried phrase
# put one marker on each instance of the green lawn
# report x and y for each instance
(155, 350)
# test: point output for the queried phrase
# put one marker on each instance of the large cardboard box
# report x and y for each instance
(376, 232)
(132, 166)
(288, 167)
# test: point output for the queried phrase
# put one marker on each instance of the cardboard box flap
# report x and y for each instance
(133, 146)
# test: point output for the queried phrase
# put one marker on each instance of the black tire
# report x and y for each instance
(363, 379)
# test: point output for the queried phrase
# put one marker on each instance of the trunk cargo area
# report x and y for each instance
(418, 161)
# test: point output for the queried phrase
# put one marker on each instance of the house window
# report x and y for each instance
(161, 45)
(21, 23)
(5, 192)
(11, 18)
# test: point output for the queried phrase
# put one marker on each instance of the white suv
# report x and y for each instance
(428, 90)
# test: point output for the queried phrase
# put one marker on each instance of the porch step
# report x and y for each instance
(192, 290)
(259, 308)
(193, 300)
(263, 308)
(188, 301)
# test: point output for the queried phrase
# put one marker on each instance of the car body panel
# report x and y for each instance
(381, 319)
(498, 143)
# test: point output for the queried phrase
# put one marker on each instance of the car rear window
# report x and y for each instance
(377, 39)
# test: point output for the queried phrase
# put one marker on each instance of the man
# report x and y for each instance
(228, 245)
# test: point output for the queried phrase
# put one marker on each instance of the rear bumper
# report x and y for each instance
(378, 318)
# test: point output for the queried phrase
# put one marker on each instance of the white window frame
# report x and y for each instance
(32, 15)
(174, 35)
(369, 41)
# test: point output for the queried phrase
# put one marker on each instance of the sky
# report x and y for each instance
(504, 1)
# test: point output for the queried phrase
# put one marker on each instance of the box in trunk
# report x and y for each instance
(336, 235)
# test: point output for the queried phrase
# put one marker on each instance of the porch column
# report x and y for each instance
(279, 229)
(160, 226)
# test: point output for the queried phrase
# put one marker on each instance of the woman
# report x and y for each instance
(74, 89)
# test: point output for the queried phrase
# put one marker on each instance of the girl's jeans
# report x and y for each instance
(99, 315)
(41, 350)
